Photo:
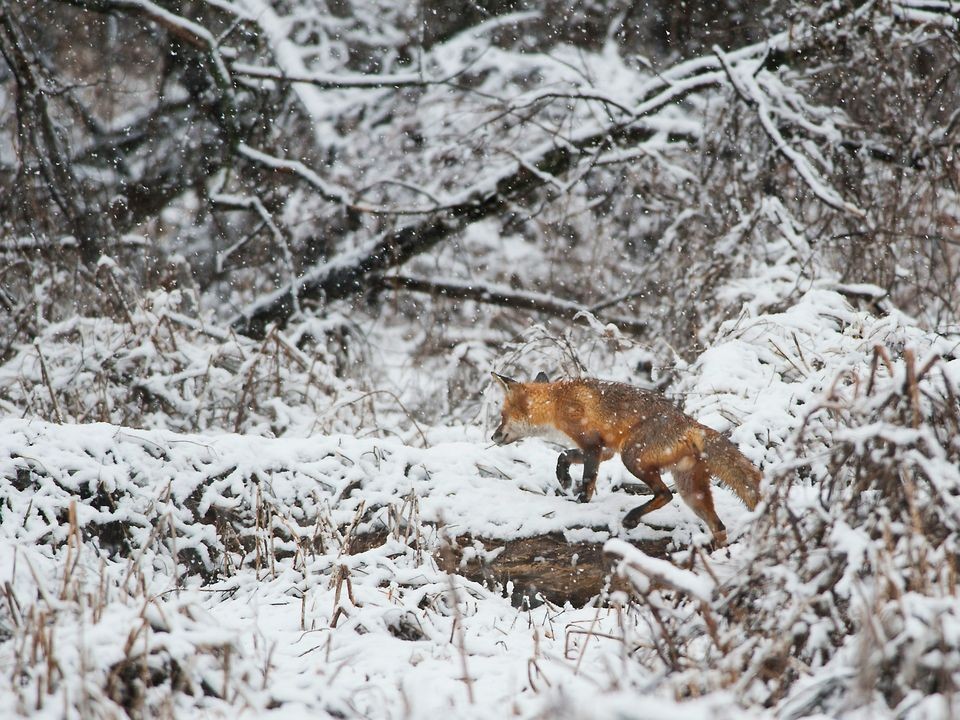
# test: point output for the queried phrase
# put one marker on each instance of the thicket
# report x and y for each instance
(285, 218)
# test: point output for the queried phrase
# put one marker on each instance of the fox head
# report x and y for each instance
(515, 418)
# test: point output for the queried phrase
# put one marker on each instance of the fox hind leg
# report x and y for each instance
(693, 483)
(650, 475)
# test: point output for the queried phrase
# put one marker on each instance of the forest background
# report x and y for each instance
(320, 225)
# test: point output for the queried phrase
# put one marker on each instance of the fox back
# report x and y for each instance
(589, 410)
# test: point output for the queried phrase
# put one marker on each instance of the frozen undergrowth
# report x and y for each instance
(157, 366)
(155, 573)
(845, 601)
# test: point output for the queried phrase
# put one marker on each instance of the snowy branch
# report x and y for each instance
(744, 82)
(490, 294)
(344, 81)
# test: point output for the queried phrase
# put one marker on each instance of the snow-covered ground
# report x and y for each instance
(259, 263)
(168, 574)
(252, 626)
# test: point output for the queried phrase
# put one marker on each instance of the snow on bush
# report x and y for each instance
(158, 367)
(151, 573)
(845, 594)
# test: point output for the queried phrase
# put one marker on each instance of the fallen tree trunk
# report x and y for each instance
(548, 567)
(534, 569)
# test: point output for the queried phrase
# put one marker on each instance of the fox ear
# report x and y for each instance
(541, 377)
(506, 382)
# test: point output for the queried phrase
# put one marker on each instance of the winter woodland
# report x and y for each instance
(259, 257)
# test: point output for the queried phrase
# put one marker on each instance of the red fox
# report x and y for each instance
(650, 433)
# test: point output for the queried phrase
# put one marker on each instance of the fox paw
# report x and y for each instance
(719, 541)
(585, 493)
(632, 519)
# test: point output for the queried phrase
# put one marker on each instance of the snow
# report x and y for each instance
(110, 544)
(266, 614)
(495, 492)
(641, 569)
(273, 618)
(195, 523)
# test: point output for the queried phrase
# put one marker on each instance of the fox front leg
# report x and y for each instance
(591, 466)
(573, 456)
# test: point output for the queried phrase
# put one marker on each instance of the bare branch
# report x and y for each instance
(351, 81)
(251, 203)
(527, 101)
(747, 88)
(295, 167)
(39, 133)
(490, 294)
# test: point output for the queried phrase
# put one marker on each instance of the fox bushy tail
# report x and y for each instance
(730, 467)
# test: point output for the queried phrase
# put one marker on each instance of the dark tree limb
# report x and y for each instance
(347, 274)
(350, 272)
(39, 135)
(506, 297)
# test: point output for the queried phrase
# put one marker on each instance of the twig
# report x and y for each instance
(446, 553)
(46, 381)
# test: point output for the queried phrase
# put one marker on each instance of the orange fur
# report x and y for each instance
(647, 430)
